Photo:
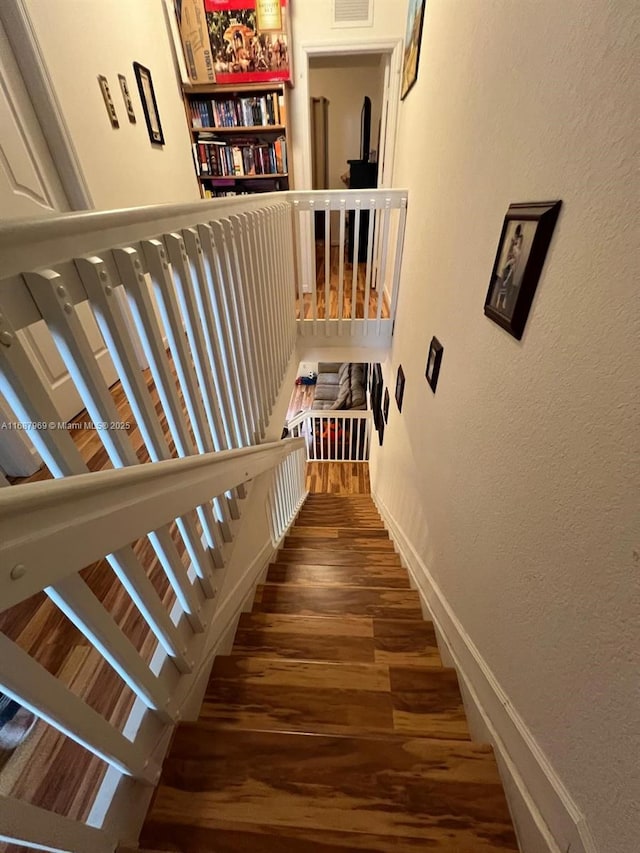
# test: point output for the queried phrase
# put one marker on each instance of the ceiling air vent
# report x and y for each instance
(352, 13)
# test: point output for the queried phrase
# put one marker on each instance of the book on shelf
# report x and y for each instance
(241, 157)
(255, 111)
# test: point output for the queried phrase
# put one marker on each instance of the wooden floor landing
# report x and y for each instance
(333, 725)
(334, 308)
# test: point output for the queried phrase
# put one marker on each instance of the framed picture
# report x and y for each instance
(385, 406)
(108, 100)
(434, 360)
(381, 434)
(149, 104)
(526, 233)
(376, 395)
(400, 388)
(126, 97)
(412, 40)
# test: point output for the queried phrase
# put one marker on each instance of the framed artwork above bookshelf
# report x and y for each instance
(239, 138)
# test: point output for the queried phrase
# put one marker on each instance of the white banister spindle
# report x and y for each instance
(297, 228)
(248, 322)
(355, 249)
(402, 222)
(130, 268)
(31, 826)
(369, 270)
(252, 296)
(239, 330)
(341, 250)
(263, 308)
(110, 318)
(260, 253)
(327, 263)
(226, 304)
(216, 386)
(313, 271)
(26, 681)
(80, 606)
(155, 255)
(274, 291)
(225, 355)
(382, 268)
(185, 258)
(32, 404)
(51, 297)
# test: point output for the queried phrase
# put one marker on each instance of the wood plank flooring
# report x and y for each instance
(49, 769)
(333, 308)
(332, 725)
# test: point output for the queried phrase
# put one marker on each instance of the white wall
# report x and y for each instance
(83, 38)
(344, 81)
(517, 483)
(311, 24)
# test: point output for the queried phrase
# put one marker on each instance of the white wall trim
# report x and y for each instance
(530, 781)
(360, 46)
(26, 47)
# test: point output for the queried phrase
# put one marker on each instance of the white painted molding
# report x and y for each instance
(546, 817)
(26, 47)
(393, 47)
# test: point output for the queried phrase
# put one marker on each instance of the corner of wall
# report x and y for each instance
(545, 817)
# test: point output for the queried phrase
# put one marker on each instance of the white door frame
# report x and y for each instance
(393, 47)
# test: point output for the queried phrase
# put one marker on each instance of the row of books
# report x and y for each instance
(259, 111)
(244, 157)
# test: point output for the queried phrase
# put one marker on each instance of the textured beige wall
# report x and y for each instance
(83, 38)
(518, 483)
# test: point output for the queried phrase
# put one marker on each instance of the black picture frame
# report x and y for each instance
(412, 45)
(524, 241)
(400, 388)
(434, 360)
(385, 406)
(381, 434)
(376, 396)
(149, 103)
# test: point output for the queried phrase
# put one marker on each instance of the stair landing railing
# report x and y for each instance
(333, 436)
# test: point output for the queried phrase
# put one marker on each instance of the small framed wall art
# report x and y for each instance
(412, 41)
(108, 100)
(434, 360)
(400, 388)
(149, 104)
(126, 97)
(385, 406)
(526, 234)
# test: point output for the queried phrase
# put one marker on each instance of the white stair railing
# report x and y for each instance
(349, 254)
(49, 531)
(333, 436)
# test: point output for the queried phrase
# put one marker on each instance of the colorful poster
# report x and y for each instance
(243, 50)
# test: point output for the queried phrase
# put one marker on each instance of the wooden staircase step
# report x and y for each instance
(306, 518)
(336, 698)
(340, 532)
(338, 601)
(355, 543)
(408, 642)
(327, 557)
(276, 635)
(391, 577)
(444, 795)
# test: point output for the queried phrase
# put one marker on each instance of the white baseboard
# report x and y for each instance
(544, 814)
